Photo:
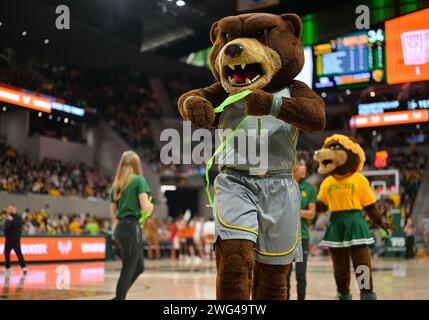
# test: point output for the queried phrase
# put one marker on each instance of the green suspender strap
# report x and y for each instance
(228, 101)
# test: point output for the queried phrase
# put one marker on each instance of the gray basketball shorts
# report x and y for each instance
(264, 210)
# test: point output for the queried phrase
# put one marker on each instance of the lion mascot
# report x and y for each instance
(347, 194)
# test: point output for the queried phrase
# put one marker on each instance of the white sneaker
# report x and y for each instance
(197, 260)
(7, 272)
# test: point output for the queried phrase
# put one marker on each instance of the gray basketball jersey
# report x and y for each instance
(265, 143)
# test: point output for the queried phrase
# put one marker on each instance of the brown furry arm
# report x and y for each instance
(197, 105)
(377, 219)
(305, 109)
(321, 207)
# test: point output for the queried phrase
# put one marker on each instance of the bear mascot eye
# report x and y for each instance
(261, 33)
(228, 36)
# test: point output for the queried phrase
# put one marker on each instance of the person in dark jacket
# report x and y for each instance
(12, 233)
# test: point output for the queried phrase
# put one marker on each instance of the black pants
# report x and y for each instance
(300, 272)
(15, 245)
(409, 243)
(129, 236)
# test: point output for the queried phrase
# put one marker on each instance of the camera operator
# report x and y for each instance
(12, 233)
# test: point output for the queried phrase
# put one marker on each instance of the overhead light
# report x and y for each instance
(165, 188)
(50, 117)
(4, 108)
(24, 33)
(180, 3)
(46, 41)
(372, 94)
(39, 114)
(58, 118)
(374, 133)
(348, 92)
(66, 120)
(1, 23)
(323, 94)
(417, 126)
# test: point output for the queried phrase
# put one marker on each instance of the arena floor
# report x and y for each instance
(164, 279)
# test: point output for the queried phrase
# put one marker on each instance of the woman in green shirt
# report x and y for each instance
(307, 213)
(129, 198)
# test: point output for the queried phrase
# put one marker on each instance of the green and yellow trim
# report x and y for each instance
(223, 223)
(294, 137)
(284, 253)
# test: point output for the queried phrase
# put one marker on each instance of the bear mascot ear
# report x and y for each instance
(294, 23)
(213, 32)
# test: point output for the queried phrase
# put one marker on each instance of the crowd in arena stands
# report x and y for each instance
(122, 96)
(177, 84)
(45, 222)
(21, 174)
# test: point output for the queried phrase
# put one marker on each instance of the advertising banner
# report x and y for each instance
(59, 248)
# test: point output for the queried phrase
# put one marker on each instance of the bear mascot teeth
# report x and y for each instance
(257, 216)
(346, 193)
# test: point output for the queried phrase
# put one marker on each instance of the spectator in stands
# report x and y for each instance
(91, 227)
(74, 226)
(19, 174)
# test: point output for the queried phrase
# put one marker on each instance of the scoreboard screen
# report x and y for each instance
(355, 58)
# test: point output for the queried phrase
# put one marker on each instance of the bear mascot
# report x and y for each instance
(347, 194)
(257, 215)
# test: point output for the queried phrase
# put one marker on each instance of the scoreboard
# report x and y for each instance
(356, 58)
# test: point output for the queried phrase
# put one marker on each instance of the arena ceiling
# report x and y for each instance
(160, 26)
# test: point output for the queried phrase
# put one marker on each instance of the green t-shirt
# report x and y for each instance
(129, 204)
(308, 195)
(92, 228)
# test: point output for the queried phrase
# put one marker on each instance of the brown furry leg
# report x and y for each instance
(234, 261)
(341, 261)
(361, 256)
(269, 281)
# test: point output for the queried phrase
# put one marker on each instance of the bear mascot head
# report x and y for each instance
(256, 51)
(263, 53)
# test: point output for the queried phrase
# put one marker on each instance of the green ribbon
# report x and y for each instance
(228, 101)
